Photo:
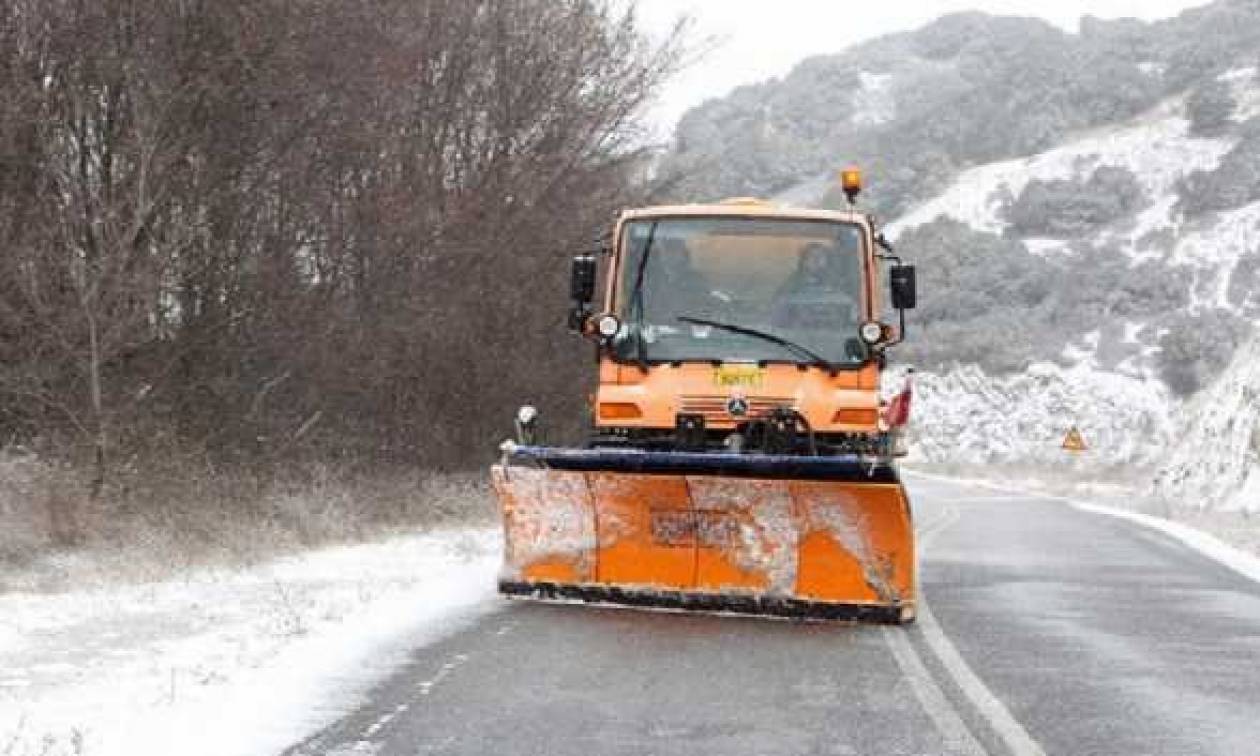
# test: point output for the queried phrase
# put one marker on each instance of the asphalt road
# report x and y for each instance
(1046, 630)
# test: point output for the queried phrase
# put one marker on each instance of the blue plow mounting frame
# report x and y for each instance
(847, 467)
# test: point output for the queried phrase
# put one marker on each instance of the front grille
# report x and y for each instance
(713, 408)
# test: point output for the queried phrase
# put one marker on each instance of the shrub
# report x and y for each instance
(1209, 108)
(1197, 347)
(1234, 183)
(983, 298)
(1070, 208)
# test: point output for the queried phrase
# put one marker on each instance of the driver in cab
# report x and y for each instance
(677, 287)
(821, 293)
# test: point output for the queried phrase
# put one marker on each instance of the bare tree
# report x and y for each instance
(270, 227)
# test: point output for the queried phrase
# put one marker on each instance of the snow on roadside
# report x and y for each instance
(219, 662)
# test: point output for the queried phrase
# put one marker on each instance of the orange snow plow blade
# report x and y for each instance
(838, 547)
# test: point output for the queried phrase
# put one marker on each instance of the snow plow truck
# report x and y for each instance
(740, 457)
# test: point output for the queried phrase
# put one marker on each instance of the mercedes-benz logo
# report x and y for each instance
(737, 406)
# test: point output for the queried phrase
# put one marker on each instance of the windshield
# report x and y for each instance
(787, 289)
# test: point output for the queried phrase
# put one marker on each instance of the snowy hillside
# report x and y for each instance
(1159, 150)
(1125, 412)
(1210, 254)
(1206, 448)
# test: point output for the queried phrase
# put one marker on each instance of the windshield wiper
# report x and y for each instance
(813, 357)
(636, 300)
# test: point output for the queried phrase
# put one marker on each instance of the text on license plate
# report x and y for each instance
(730, 376)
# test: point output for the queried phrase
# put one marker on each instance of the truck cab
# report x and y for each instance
(742, 325)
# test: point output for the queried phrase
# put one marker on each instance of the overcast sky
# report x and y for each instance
(761, 39)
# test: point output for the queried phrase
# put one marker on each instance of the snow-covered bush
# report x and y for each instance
(1070, 208)
(1209, 108)
(1198, 347)
(1235, 183)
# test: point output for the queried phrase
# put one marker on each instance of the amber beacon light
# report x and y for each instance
(851, 183)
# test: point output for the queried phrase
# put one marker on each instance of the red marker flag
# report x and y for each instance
(897, 413)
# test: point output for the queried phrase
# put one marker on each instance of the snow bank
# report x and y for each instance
(230, 662)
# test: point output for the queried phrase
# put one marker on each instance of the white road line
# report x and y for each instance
(426, 686)
(1012, 733)
(993, 710)
(953, 730)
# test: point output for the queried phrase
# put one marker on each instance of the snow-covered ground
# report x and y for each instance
(230, 662)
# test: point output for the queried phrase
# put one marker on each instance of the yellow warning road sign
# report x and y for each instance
(1074, 441)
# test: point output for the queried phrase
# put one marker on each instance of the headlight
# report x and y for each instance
(608, 325)
(872, 333)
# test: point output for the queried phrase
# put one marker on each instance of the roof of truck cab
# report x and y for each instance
(745, 208)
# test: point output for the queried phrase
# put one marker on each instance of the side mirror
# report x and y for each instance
(901, 282)
(582, 283)
(581, 291)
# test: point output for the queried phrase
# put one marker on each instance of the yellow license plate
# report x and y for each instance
(733, 376)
